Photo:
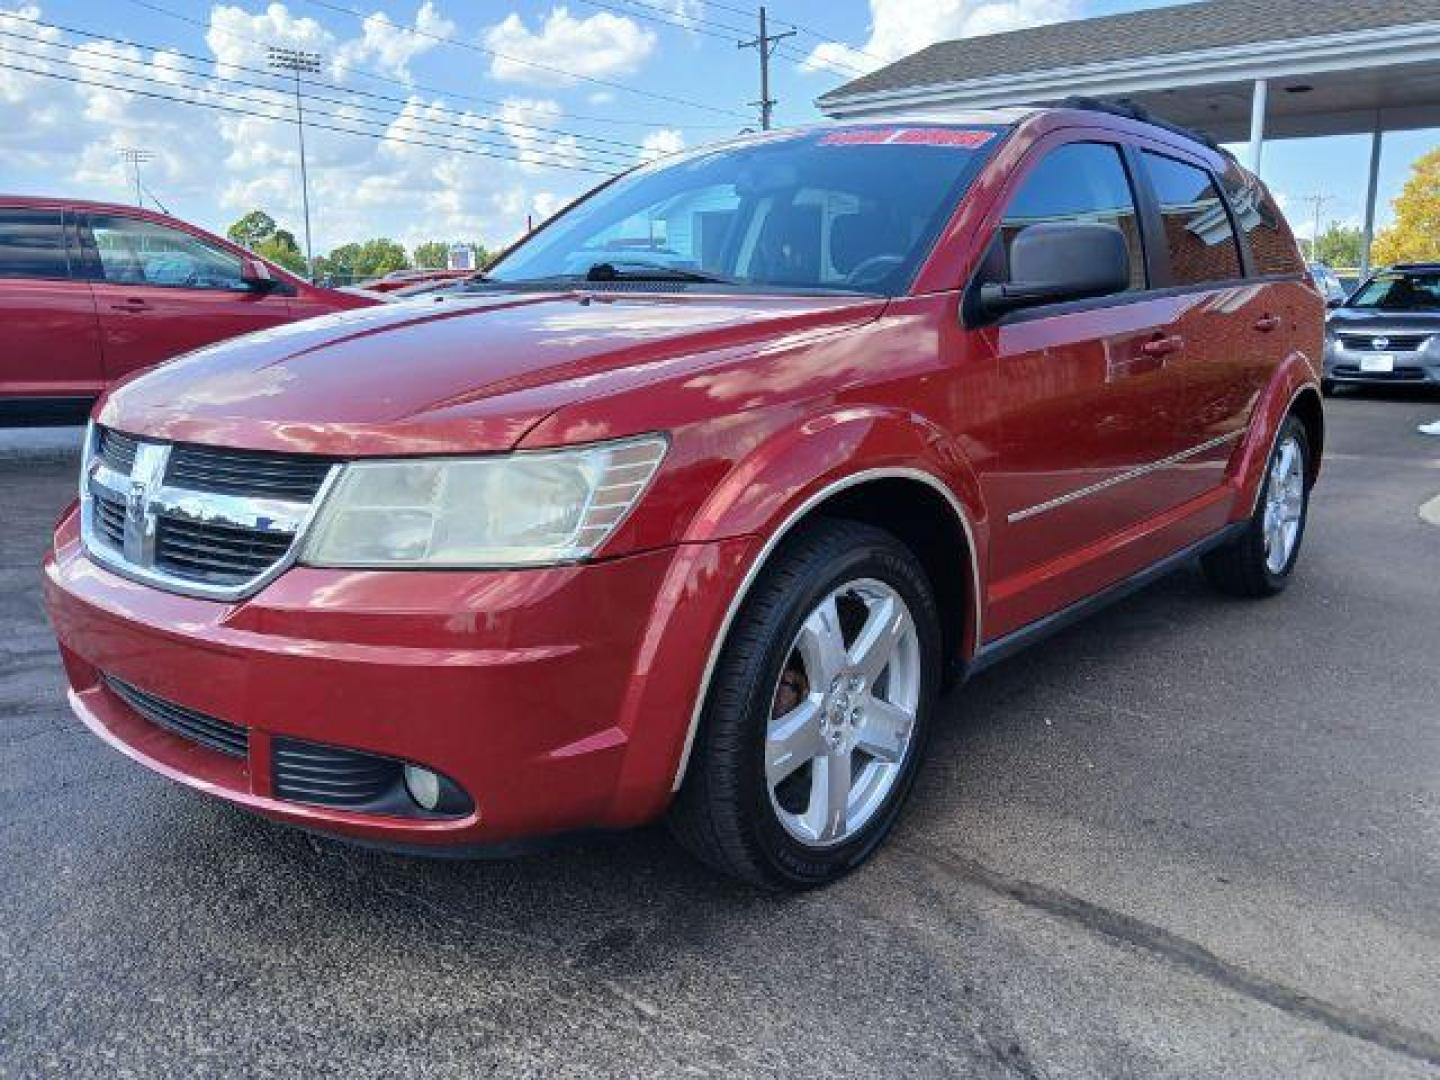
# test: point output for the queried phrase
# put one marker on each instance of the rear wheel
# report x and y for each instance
(1260, 561)
(817, 713)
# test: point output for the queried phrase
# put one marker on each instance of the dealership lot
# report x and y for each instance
(1191, 837)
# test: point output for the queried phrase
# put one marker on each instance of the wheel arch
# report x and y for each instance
(915, 505)
(1308, 408)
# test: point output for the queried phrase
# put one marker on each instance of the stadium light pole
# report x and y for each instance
(133, 156)
(298, 62)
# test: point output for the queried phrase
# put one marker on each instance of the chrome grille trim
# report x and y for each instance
(215, 545)
(117, 450)
(1364, 341)
(283, 477)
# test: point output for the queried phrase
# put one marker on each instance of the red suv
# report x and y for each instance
(90, 292)
(693, 505)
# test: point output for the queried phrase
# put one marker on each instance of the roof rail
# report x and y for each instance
(1131, 111)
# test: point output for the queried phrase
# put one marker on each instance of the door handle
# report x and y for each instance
(134, 304)
(1266, 323)
(1163, 346)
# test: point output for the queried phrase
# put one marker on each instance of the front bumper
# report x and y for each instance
(1345, 366)
(558, 699)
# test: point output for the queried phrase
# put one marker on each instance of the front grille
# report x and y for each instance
(116, 450)
(1393, 342)
(293, 477)
(110, 520)
(216, 554)
(205, 519)
(218, 735)
(332, 776)
(1350, 371)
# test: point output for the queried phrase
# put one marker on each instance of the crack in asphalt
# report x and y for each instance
(1129, 930)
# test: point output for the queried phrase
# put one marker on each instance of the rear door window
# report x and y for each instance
(136, 252)
(1078, 182)
(32, 244)
(1272, 245)
(1202, 244)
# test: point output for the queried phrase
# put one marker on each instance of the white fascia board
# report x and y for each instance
(1382, 48)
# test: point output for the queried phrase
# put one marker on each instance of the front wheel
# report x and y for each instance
(1260, 560)
(818, 711)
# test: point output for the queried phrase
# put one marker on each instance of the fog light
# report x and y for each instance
(423, 786)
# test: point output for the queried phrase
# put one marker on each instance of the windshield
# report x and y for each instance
(847, 209)
(1400, 290)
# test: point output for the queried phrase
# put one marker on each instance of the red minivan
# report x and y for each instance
(91, 292)
(695, 502)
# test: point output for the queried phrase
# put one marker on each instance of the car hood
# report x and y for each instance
(1369, 320)
(449, 374)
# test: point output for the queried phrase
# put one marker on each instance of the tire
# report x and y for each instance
(1245, 566)
(734, 811)
(1327, 387)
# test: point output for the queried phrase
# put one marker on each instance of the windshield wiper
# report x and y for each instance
(643, 271)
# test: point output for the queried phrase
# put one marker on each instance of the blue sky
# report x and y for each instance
(478, 114)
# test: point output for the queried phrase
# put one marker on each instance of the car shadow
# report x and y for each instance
(622, 902)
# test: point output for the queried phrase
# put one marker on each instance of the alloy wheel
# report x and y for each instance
(1284, 505)
(843, 713)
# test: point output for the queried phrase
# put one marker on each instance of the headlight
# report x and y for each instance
(532, 508)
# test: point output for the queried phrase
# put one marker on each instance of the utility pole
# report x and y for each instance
(133, 156)
(1318, 202)
(307, 63)
(765, 46)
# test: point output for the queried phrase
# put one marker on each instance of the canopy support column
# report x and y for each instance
(1371, 191)
(1257, 124)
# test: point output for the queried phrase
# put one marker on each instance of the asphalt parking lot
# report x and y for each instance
(1192, 837)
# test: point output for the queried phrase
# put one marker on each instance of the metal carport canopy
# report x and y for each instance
(1237, 70)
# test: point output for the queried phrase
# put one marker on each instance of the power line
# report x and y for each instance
(764, 44)
(379, 136)
(537, 65)
(351, 91)
(695, 26)
(522, 142)
(820, 35)
(366, 73)
(710, 28)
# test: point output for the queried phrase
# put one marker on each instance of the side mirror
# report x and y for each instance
(1334, 302)
(1053, 262)
(256, 276)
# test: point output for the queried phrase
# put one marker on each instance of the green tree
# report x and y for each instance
(435, 254)
(1414, 235)
(282, 250)
(432, 255)
(254, 227)
(1339, 245)
(350, 263)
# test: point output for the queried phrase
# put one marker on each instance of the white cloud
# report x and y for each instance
(901, 27)
(658, 144)
(238, 38)
(519, 118)
(600, 45)
(392, 47)
(211, 166)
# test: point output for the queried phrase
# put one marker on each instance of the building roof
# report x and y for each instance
(1184, 28)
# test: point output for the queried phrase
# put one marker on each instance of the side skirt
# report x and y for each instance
(1004, 647)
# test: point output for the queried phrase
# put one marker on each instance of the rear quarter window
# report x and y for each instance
(1198, 233)
(32, 244)
(1272, 245)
